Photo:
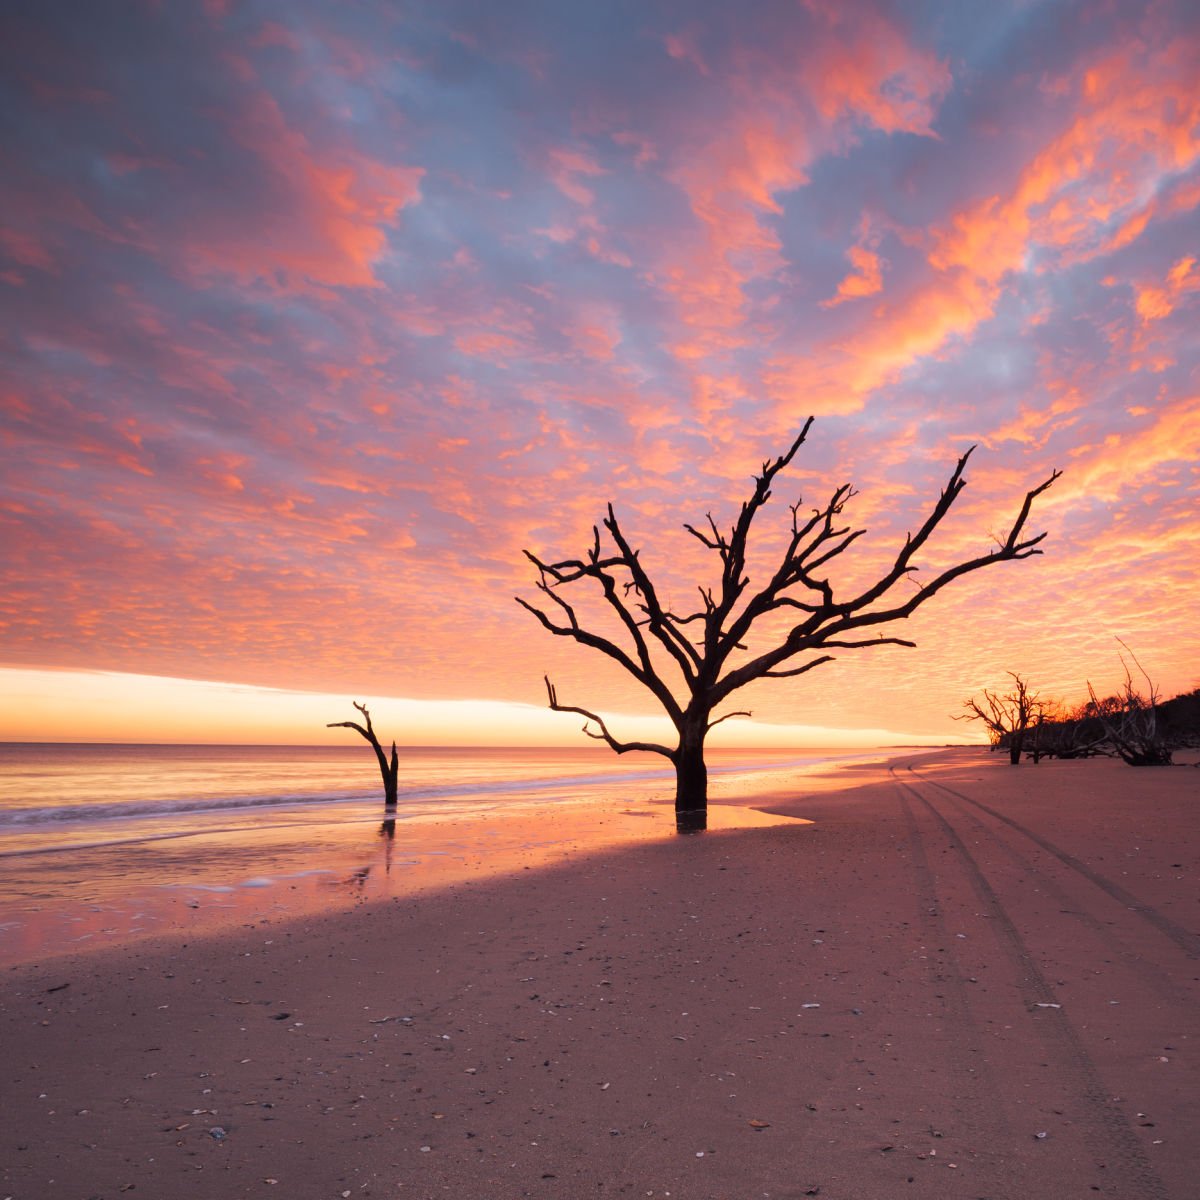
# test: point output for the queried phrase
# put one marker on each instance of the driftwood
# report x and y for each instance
(1130, 720)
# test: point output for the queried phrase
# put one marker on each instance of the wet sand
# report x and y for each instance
(962, 980)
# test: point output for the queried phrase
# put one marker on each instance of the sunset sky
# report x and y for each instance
(316, 314)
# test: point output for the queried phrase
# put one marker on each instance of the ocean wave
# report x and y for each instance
(100, 811)
(180, 806)
(90, 812)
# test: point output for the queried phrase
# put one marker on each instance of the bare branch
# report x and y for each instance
(680, 649)
(603, 735)
(713, 724)
(1131, 724)
(808, 666)
(606, 647)
(833, 619)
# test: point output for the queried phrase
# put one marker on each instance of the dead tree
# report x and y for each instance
(1070, 733)
(1131, 722)
(693, 662)
(388, 769)
(1008, 716)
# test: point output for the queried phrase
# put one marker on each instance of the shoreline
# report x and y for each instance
(940, 988)
(59, 899)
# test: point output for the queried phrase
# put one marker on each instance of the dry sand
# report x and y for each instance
(963, 980)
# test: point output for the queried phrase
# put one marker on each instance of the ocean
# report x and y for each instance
(104, 842)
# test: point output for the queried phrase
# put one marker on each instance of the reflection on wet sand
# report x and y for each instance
(212, 879)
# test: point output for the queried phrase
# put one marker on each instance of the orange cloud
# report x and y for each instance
(1138, 125)
(865, 280)
(838, 376)
(1154, 303)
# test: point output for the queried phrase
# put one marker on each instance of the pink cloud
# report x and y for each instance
(783, 116)
(683, 46)
(567, 166)
(331, 209)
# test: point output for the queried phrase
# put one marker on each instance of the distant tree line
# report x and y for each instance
(1131, 724)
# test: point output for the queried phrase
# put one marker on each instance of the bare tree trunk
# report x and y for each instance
(691, 781)
(389, 770)
(1016, 744)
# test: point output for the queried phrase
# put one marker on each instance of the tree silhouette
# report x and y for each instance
(692, 676)
(1007, 715)
(388, 769)
(1130, 721)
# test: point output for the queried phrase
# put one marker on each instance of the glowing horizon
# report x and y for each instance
(103, 706)
(317, 316)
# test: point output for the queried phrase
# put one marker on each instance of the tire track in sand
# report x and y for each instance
(984, 1108)
(1135, 961)
(1107, 1130)
(1187, 941)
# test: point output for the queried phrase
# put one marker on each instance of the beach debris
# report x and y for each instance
(58, 987)
(605, 1086)
(810, 1004)
(699, 1153)
(426, 1149)
(754, 1123)
(280, 1016)
(1041, 1135)
(1039, 1004)
(218, 1133)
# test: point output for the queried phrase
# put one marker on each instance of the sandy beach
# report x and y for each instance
(960, 980)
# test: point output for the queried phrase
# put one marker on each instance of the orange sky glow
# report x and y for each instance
(316, 316)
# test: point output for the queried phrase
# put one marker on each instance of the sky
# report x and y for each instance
(316, 315)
